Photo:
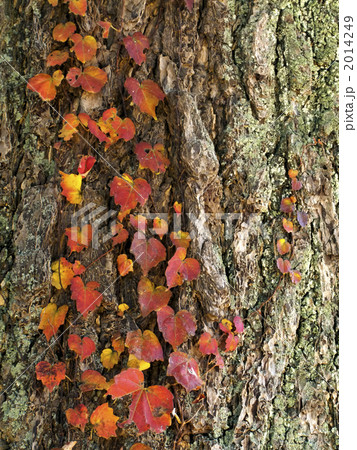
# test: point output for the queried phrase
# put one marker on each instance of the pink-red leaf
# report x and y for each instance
(128, 192)
(86, 297)
(283, 265)
(185, 370)
(146, 95)
(283, 246)
(145, 346)
(152, 158)
(180, 269)
(175, 327)
(85, 165)
(83, 347)
(295, 276)
(148, 253)
(92, 79)
(152, 298)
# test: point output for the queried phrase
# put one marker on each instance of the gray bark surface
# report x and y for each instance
(248, 84)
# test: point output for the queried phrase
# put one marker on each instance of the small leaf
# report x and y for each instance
(283, 246)
(63, 31)
(178, 208)
(106, 27)
(152, 298)
(128, 192)
(78, 417)
(175, 327)
(148, 253)
(119, 234)
(84, 48)
(145, 346)
(97, 132)
(64, 271)
(57, 58)
(135, 45)
(104, 421)
(92, 79)
(118, 344)
(185, 370)
(238, 323)
(180, 269)
(83, 347)
(109, 358)
(51, 319)
(139, 222)
(146, 95)
(50, 376)
(45, 85)
(231, 342)
(71, 185)
(125, 265)
(78, 7)
(160, 227)
(209, 346)
(295, 276)
(122, 308)
(152, 158)
(78, 239)
(296, 185)
(136, 363)
(293, 173)
(85, 165)
(92, 380)
(287, 205)
(86, 297)
(70, 124)
(302, 218)
(139, 446)
(189, 4)
(180, 239)
(283, 265)
(53, 2)
(288, 226)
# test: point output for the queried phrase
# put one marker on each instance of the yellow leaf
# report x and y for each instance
(109, 358)
(136, 363)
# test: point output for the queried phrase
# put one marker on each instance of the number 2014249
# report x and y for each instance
(348, 42)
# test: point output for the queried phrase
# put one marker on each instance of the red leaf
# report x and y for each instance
(180, 269)
(146, 95)
(147, 253)
(189, 4)
(106, 27)
(231, 342)
(160, 227)
(85, 165)
(119, 234)
(135, 46)
(283, 246)
(86, 297)
(209, 346)
(287, 205)
(295, 276)
(92, 79)
(152, 158)
(288, 226)
(125, 265)
(185, 370)
(50, 376)
(238, 323)
(178, 208)
(116, 127)
(57, 58)
(104, 421)
(145, 346)
(84, 48)
(128, 192)
(150, 408)
(78, 7)
(95, 130)
(92, 380)
(63, 31)
(175, 327)
(78, 417)
(296, 185)
(78, 239)
(283, 265)
(51, 319)
(45, 85)
(152, 298)
(83, 347)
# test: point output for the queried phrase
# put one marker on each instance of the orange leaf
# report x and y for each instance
(180, 269)
(78, 7)
(51, 319)
(180, 239)
(92, 79)
(293, 173)
(128, 192)
(104, 421)
(288, 225)
(160, 227)
(70, 124)
(152, 298)
(140, 446)
(78, 417)
(118, 344)
(135, 45)
(64, 271)
(150, 408)
(109, 358)
(71, 187)
(93, 380)
(50, 376)
(147, 253)
(175, 327)
(152, 158)
(145, 346)
(178, 208)
(95, 130)
(78, 239)
(83, 347)
(57, 58)
(45, 85)
(120, 234)
(84, 48)
(53, 2)
(86, 297)
(85, 165)
(185, 370)
(283, 246)
(146, 95)
(106, 27)
(125, 265)
(63, 31)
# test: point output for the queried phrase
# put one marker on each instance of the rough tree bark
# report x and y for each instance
(248, 84)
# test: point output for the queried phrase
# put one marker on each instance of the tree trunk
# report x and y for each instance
(248, 87)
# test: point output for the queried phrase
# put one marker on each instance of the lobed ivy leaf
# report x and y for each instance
(109, 358)
(78, 416)
(288, 225)
(180, 239)
(83, 347)
(135, 45)
(86, 297)
(160, 227)
(106, 27)
(152, 298)
(152, 158)
(85, 165)
(85, 48)
(57, 58)
(64, 271)
(144, 346)
(78, 238)
(283, 265)
(180, 269)
(283, 246)
(125, 265)
(91, 79)
(45, 85)
(148, 253)
(104, 421)
(69, 128)
(175, 327)
(78, 7)
(287, 205)
(50, 375)
(71, 185)
(185, 370)
(93, 380)
(51, 319)
(146, 95)
(63, 31)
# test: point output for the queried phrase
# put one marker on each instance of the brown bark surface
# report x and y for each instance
(248, 85)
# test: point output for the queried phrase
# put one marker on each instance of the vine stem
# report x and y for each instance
(99, 257)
